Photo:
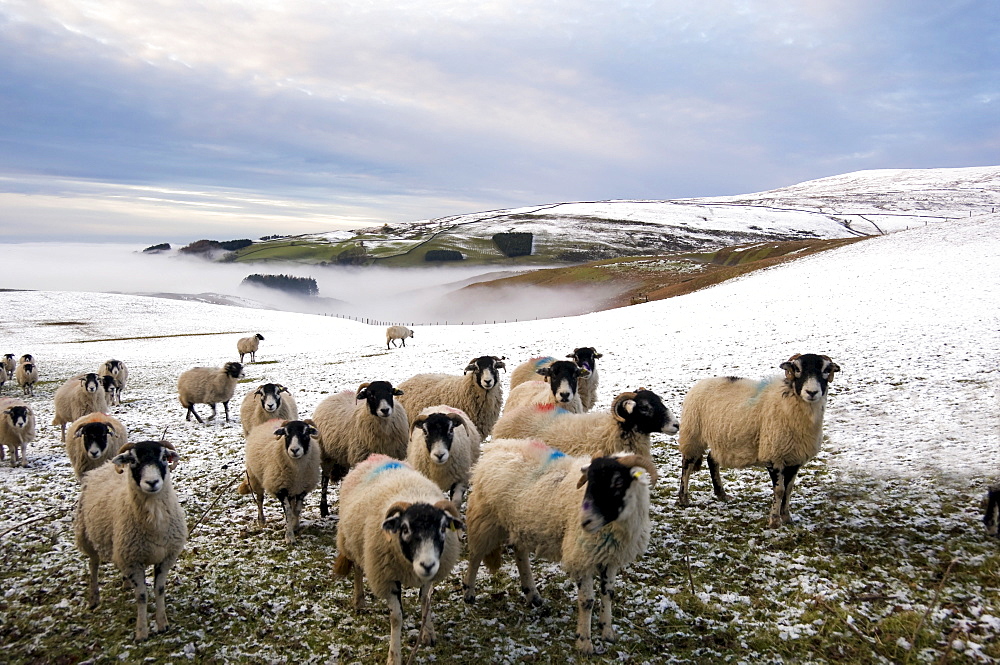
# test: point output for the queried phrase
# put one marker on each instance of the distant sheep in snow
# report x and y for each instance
(117, 370)
(17, 429)
(392, 333)
(26, 376)
(208, 385)
(249, 345)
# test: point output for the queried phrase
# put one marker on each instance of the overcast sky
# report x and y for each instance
(173, 120)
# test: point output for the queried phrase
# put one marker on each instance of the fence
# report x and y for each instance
(376, 322)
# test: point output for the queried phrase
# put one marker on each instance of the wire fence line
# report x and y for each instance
(377, 322)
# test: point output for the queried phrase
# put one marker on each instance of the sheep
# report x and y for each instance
(208, 385)
(93, 440)
(270, 401)
(444, 445)
(392, 333)
(26, 376)
(249, 345)
(584, 356)
(133, 520)
(559, 387)
(282, 459)
(534, 497)
(4, 375)
(78, 396)
(26, 359)
(117, 370)
(110, 386)
(776, 423)
(9, 363)
(17, 429)
(477, 392)
(625, 428)
(395, 530)
(991, 502)
(350, 430)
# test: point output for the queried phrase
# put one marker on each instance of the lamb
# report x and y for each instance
(208, 385)
(270, 401)
(477, 392)
(93, 440)
(249, 345)
(559, 387)
(78, 396)
(534, 497)
(26, 376)
(625, 428)
(133, 520)
(117, 370)
(444, 445)
(395, 530)
(350, 430)
(282, 459)
(584, 356)
(776, 423)
(17, 429)
(392, 333)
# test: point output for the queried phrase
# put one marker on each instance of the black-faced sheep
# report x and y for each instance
(208, 385)
(590, 515)
(559, 387)
(444, 446)
(17, 429)
(584, 356)
(119, 372)
(282, 459)
(9, 363)
(396, 531)
(78, 396)
(392, 333)
(991, 517)
(249, 346)
(93, 440)
(776, 423)
(269, 402)
(26, 376)
(133, 520)
(355, 424)
(477, 392)
(625, 428)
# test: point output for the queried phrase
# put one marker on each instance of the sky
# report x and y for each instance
(173, 120)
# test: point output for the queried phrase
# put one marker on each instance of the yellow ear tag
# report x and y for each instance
(451, 527)
(637, 474)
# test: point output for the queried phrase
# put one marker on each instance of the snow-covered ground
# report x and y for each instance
(911, 318)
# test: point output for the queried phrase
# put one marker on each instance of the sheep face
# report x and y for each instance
(259, 336)
(95, 438)
(27, 358)
(298, 435)
(18, 416)
(113, 367)
(270, 396)
(91, 383)
(611, 486)
(420, 530)
(110, 386)
(439, 434)
(379, 396)
(643, 411)
(809, 375)
(562, 376)
(586, 357)
(233, 370)
(149, 462)
(485, 368)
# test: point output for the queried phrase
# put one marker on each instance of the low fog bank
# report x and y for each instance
(413, 295)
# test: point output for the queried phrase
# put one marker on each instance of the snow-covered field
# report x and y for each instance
(912, 439)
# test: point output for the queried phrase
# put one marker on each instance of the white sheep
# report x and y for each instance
(282, 459)
(444, 445)
(355, 424)
(625, 428)
(26, 376)
(78, 396)
(93, 440)
(17, 429)
(249, 345)
(590, 515)
(396, 531)
(133, 520)
(9, 363)
(269, 402)
(118, 370)
(584, 356)
(208, 385)
(392, 333)
(560, 380)
(477, 392)
(776, 423)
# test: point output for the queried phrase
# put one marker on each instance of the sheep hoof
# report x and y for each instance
(684, 501)
(470, 598)
(609, 634)
(724, 498)
(585, 646)
(774, 522)
(534, 600)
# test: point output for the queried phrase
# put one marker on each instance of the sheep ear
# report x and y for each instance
(171, 457)
(397, 392)
(583, 476)
(544, 371)
(124, 458)
(419, 422)
(362, 391)
(598, 355)
(282, 389)
(451, 514)
(76, 432)
(789, 368)
(394, 516)
(280, 432)
(582, 373)
(259, 391)
(457, 419)
(111, 430)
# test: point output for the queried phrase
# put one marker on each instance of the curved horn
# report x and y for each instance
(644, 462)
(125, 448)
(834, 367)
(618, 400)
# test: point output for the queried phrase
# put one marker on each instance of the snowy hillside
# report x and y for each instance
(911, 442)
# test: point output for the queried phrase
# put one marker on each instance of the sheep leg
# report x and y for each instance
(778, 483)
(469, 586)
(214, 412)
(225, 405)
(713, 470)
(359, 587)
(95, 588)
(259, 498)
(427, 635)
(288, 508)
(604, 623)
(160, 571)
(688, 464)
(789, 474)
(136, 576)
(62, 436)
(324, 507)
(192, 412)
(527, 580)
(585, 609)
(395, 625)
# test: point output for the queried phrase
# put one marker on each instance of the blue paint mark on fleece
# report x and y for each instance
(385, 466)
(543, 360)
(759, 390)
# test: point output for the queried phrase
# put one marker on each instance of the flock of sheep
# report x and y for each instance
(408, 457)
